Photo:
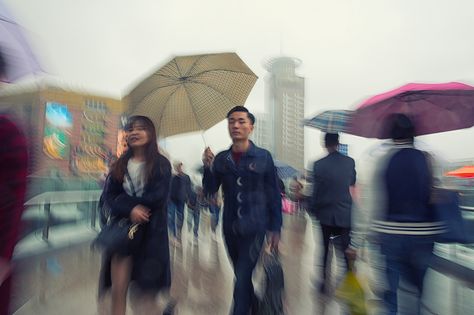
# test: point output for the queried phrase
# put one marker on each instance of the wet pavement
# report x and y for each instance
(203, 277)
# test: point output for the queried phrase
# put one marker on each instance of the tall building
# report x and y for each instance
(284, 103)
(260, 135)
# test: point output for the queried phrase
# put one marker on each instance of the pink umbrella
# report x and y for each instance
(432, 107)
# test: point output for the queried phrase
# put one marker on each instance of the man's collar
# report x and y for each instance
(251, 151)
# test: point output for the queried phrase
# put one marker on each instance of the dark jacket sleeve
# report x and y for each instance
(317, 182)
(354, 175)
(273, 196)
(189, 189)
(211, 179)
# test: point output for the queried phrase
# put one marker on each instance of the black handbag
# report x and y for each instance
(271, 302)
(119, 235)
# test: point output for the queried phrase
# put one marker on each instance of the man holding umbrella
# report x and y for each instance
(252, 201)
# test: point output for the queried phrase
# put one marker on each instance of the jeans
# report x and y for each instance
(194, 216)
(406, 256)
(175, 217)
(244, 252)
(214, 210)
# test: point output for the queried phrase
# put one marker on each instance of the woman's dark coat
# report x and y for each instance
(151, 262)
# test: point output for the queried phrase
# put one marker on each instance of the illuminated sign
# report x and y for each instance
(57, 130)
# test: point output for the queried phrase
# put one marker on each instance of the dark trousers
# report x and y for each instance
(175, 216)
(194, 216)
(340, 237)
(406, 256)
(214, 210)
(244, 252)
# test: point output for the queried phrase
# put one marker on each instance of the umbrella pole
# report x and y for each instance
(204, 139)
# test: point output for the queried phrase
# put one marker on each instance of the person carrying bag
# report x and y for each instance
(118, 235)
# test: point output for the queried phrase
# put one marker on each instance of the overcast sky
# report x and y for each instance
(350, 49)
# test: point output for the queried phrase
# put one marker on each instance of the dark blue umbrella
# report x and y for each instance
(284, 170)
(332, 121)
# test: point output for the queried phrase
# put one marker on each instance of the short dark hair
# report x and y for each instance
(401, 127)
(242, 109)
(331, 139)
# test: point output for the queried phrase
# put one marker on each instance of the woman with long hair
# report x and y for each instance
(137, 189)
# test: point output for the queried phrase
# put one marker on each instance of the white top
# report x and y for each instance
(135, 170)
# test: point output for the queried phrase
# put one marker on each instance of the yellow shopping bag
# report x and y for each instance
(351, 293)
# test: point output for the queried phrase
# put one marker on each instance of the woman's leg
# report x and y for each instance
(121, 268)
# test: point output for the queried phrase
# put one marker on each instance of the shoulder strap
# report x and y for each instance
(131, 184)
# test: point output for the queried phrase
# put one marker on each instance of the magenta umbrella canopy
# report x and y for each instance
(433, 108)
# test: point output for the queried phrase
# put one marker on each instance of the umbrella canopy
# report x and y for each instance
(464, 172)
(16, 56)
(192, 93)
(331, 121)
(284, 170)
(432, 107)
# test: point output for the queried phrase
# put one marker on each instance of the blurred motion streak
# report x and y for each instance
(14, 49)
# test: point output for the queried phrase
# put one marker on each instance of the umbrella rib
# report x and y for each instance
(220, 93)
(177, 67)
(164, 107)
(194, 64)
(157, 88)
(224, 70)
(192, 107)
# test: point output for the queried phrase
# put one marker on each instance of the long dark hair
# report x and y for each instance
(153, 158)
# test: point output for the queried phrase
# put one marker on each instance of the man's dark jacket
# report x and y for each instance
(180, 188)
(331, 201)
(252, 200)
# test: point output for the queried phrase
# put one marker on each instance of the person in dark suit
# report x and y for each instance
(333, 177)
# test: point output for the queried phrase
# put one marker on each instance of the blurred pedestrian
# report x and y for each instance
(14, 167)
(406, 221)
(137, 189)
(252, 202)
(331, 203)
(194, 210)
(295, 189)
(180, 192)
(215, 203)
(14, 160)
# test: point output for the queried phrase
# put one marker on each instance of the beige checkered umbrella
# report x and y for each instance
(192, 93)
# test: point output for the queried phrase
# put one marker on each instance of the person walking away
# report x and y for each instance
(180, 192)
(194, 212)
(331, 203)
(137, 189)
(252, 202)
(407, 225)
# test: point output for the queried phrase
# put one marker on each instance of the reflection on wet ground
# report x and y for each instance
(203, 277)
